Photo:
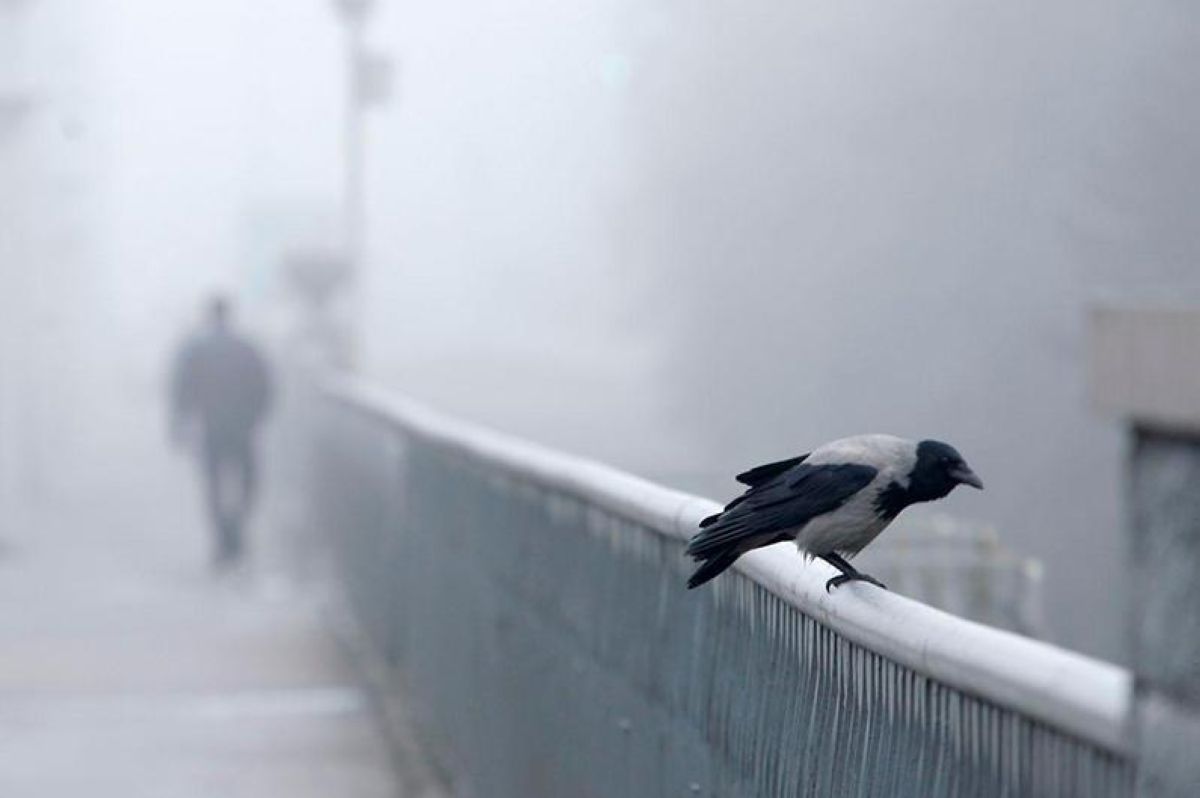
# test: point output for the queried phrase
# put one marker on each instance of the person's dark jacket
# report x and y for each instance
(221, 383)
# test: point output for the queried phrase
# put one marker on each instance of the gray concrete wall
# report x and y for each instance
(1165, 557)
(1146, 370)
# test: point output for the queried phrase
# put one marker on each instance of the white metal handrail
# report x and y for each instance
(1084, 697)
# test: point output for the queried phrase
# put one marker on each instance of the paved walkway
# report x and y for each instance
(126, 669)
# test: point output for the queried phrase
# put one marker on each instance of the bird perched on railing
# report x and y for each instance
(832, 501)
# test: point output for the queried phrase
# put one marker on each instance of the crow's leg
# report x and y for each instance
(848, 573)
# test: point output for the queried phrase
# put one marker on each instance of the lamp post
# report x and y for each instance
(353, 14)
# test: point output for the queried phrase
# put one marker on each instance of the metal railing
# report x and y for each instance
(532, 605)
(963, 568)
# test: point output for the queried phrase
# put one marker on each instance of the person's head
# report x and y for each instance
(220, 310)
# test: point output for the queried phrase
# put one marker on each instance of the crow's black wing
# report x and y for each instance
(757, 477)
(765, 473)
(788, 502)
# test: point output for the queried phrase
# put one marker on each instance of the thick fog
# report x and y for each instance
(683, 238)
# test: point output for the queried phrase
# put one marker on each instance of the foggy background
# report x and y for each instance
(683, 238)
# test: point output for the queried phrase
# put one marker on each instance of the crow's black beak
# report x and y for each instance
(964, 475)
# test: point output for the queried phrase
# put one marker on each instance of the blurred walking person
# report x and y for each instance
(221, 392)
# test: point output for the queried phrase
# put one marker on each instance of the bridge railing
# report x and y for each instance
(532, 606)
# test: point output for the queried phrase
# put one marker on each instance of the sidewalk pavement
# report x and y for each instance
(128, 669)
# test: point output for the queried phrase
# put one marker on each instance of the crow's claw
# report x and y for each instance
(836, 581)
(842, 579)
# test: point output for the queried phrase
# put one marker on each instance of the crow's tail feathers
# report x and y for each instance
(712, 567)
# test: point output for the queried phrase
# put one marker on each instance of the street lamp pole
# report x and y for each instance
(354, 15)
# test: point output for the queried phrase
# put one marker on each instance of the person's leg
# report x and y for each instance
(216, 491)
(249, 477)
(243, 473)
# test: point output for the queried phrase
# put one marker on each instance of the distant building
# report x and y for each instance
(48, 207)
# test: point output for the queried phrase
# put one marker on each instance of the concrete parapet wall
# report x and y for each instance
(1146, 369)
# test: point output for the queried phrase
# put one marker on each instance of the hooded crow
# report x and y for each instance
(832, 502)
